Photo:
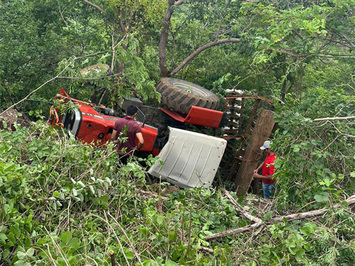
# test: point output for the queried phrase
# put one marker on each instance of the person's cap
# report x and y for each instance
(266, 145)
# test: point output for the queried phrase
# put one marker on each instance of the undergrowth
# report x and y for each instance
(65, 203)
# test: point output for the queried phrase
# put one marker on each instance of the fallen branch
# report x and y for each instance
(151, 194)
(207, 250)
(241, 209)
(291, 217)
(254, 234)
(233, 231)
(299, 216)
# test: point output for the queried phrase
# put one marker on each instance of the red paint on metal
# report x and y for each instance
(94, 124)
(198, 116)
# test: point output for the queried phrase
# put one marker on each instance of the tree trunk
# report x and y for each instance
(164, 40)
(262, 130)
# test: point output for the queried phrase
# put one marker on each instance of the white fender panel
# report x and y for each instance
(190, 159)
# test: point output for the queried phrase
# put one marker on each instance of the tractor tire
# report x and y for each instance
(180, 95)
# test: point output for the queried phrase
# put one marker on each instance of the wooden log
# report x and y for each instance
(262, 130)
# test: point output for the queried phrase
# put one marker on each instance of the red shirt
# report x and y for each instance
(269, 168)
(132, 129)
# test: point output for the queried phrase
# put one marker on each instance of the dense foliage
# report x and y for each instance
(65, 203)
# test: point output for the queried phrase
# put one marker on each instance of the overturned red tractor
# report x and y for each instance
(190, 159)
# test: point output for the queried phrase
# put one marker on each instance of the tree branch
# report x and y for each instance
(221, 19)
(32, 92)
(299, 216)
(233, 231)
(241, 209)
(336, 56)
(334, 118)
(94, 6)
(319, 55)
(201, 49)
(179, 2)
(291, 217)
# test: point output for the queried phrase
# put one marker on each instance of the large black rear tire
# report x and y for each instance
(180, 95)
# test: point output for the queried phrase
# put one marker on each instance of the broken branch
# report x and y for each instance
(296, 216)
(241, 209)
(233, 231)
(299, 216)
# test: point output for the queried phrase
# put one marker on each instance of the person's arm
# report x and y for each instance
(114, 135)
(258, 169)
(271, 171)
(140, 138)
(269, 177)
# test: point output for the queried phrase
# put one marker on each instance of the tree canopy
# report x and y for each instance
(60, 199)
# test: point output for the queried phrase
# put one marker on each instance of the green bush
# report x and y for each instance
(65, 203)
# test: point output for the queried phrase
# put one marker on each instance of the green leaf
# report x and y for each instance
(129, 254)
(160, 219)
(92, 189)
(66, 237)
(3, 238)
(21, 255)
(30, 252)
(171, 263)
(322, 197)
(22, 263)
(16, 230)
(267, 216)
(72, 260)
(296, 148)
(74, 243)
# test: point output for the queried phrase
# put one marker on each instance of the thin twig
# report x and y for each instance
(32, 92)
(129, 241)
(255, 234)
(58, 248)
(114, 232)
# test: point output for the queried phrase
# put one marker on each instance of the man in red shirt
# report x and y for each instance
(127, 127)
(268, 170)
